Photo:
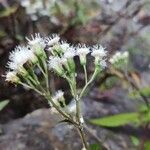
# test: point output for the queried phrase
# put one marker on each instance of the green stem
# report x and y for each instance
(82, 136)
(66, 116)
(89, 82)
(31, 87)
(85, 73)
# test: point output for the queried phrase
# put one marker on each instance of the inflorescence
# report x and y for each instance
(51, 53)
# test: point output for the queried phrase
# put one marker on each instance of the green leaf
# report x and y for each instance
(135, 140)
(145, 91)
(117, 120)
(95, 147)
(3, 104)
(147, 145)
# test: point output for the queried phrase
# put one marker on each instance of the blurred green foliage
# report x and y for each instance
(8, 11)
(95, 147)
(136, 94)
(3, 104)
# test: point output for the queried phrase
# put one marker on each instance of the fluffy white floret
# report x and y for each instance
(82, 50)
(19, 57)
(54, 62)
(118, 56)
(11, 76)
(70, 53)
(36, 40)
(64, 46)
(99, 52)
(51, 40)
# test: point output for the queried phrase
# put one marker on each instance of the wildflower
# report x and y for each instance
(119, 58)
(37, 44)
(69, 55)
(19, 57)
(52, 40)
(82, 51)
(64, 46)
(103, 63)
(56, 65)
(12, 77)
(99, 53)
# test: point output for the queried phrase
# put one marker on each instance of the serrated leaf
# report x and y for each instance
(116, 120)
(3, 104)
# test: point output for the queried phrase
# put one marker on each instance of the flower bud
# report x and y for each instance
(12, 77)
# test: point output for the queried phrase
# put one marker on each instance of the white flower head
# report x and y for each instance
(119, 56)
(64, 46)
(52, 40)
(19, 57)
(70, 53)
(11, 76)
(98, 51)
(82, 51)
(103, 64)
(56, 64)
(37, 44)
(36, 39)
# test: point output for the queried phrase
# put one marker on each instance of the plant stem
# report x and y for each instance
(85, 73)
(82, 136)
(78, 110)
(78, 107)
(104, 146)
(66, 116)
(31, 87)
(91, 79)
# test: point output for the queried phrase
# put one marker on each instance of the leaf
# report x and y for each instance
(145, 91)
(95, 147)
(3, 104)
(117, 120)
(147, 145)
(135, 140)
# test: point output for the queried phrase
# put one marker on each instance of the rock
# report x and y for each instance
(40, 131)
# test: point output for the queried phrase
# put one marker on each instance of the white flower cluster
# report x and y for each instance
(119, 58)
(37, 7)
(61, 59)
(100, 55)
(26, 56)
